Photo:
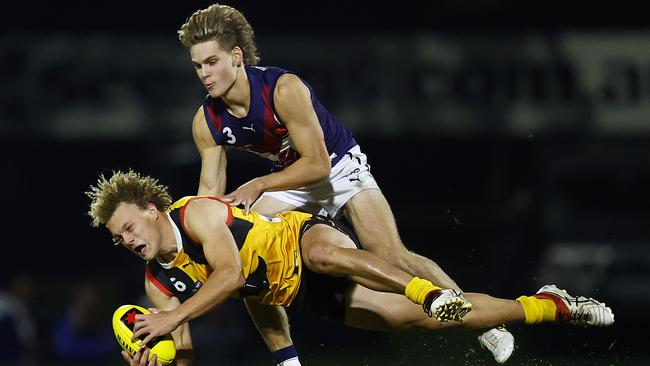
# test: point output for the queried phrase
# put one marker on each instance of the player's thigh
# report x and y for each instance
(374, 310)
(270, 206)
(320, 242)
(373, 221)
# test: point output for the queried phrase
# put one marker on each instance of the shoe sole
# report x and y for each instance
(453, 309)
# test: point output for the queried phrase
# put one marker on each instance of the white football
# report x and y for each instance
(123, 323)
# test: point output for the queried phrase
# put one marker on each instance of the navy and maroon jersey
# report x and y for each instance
(262, 131)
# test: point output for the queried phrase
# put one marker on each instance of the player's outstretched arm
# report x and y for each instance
(205, 222)
(292, 101)
(213, 158)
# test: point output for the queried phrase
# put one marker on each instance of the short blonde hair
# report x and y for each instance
(129, 187)
(224, 24)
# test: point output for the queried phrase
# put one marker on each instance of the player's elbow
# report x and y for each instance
(210, 188)
(241, 280)
(206, 190)
(322, 169)
(236, 282)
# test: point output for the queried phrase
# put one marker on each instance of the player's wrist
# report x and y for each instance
(287, 356)
(260, 184)
(180, 315)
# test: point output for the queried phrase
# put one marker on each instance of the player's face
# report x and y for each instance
(136, 229)
(215, 67)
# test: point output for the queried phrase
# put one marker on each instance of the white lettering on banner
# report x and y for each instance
(598, 82)
(414, 84)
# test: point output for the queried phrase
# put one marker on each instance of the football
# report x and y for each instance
(123, 323)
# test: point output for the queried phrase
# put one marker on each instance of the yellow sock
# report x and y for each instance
(537, 310)
(417, 290)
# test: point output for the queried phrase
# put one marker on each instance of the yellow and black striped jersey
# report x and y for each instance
(268, 247)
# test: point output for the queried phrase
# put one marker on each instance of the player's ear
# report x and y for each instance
(237, 56)
(152, 208)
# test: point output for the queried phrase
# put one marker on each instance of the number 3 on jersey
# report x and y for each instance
(228, 132)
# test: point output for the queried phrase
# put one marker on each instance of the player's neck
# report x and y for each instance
(168, 247)
(238, 97)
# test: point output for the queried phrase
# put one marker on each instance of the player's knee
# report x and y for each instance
(322, 258)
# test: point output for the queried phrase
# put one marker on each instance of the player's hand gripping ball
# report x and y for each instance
(123, 323)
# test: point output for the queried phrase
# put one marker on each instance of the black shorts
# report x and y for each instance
(321, 294)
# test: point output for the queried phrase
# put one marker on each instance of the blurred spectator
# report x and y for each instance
(82, 335)
(17, 325)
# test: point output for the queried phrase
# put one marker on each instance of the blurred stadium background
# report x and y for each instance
(512, 140)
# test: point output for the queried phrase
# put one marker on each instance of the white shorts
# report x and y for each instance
(348, 177)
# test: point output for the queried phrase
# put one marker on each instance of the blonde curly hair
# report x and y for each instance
(224, 24)
(127, 187)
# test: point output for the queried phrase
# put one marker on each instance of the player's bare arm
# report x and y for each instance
(205, 220)
(182, 336)
(213, 158)
(293, 105)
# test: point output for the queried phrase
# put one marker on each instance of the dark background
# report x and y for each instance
(502, 212)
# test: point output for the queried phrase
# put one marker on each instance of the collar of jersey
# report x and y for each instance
(179, 242)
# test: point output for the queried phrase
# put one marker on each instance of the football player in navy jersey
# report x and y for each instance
(316, 162)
